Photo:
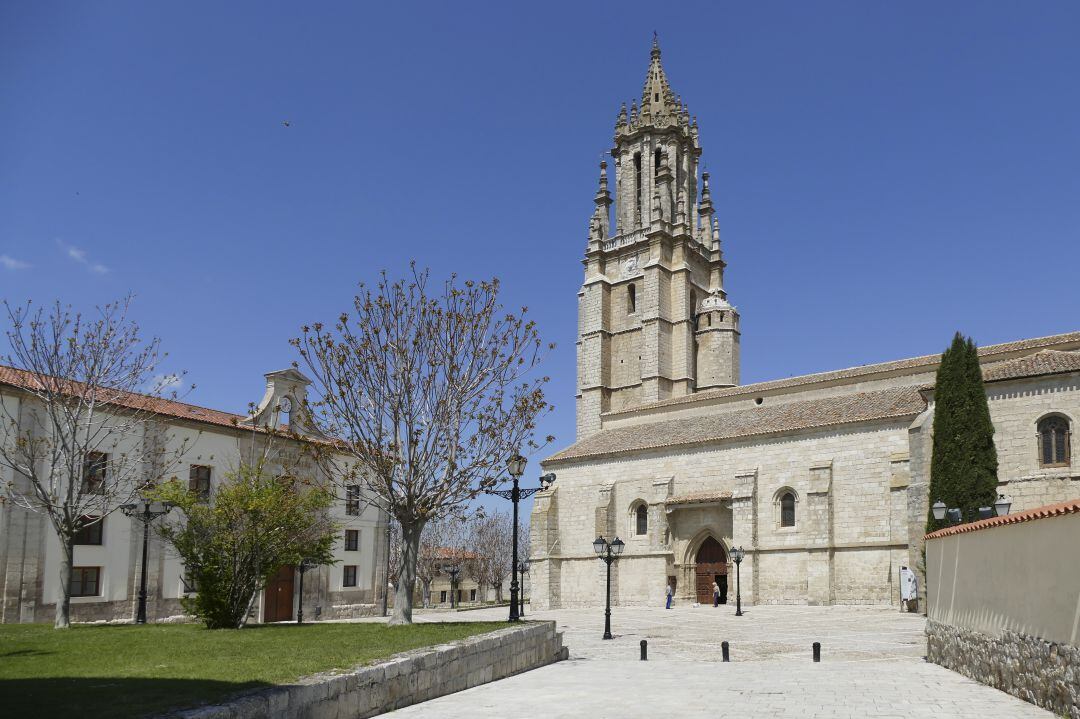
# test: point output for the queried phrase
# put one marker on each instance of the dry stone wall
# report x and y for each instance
(1044, 673)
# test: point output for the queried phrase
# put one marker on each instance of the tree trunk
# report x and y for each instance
(410, 552)
(63, 602)
(427, 592)
(498, 592)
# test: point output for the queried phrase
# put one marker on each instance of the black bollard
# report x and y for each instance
(725, 649)
(644, 651)
(817, 651)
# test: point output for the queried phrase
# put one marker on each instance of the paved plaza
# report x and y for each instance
(871, 667)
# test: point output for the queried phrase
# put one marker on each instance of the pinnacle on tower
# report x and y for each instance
(657, 99)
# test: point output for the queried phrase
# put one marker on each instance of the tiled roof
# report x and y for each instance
(765, 419)
(926, 361)
(1050, 510)
(166, 407)
(448, 553)
(1040, 363)
(698, 498)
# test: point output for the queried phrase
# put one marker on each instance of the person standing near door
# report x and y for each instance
(669, 592)
(715, 594)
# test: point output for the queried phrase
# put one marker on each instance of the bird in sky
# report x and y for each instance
(287, 123)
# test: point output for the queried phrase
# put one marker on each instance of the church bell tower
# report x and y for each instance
(654, 321)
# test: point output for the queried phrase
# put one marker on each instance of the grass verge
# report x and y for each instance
(131, 671)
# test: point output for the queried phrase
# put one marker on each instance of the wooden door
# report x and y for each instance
(711, 562)
(278, 597)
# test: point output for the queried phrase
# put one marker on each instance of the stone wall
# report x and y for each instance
(405, 679)
(848, 542)
(1044, 673)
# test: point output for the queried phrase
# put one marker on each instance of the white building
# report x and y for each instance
(107, 557)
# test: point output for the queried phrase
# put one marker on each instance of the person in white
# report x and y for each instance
(909, 588)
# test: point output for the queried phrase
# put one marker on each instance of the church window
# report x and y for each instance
(637, 182)
(642, 513)
(631, 299)
(787, 508)
(1054, 441)
(656, 162)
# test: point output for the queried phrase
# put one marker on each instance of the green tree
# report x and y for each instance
(232, 544)
(963, 468)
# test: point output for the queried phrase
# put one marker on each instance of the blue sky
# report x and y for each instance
(884, 173)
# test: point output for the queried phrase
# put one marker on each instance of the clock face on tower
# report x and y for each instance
(285, 404)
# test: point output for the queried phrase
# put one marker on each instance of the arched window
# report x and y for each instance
(631, 299)
(642, 513)
(787, 509)
(1054, 441)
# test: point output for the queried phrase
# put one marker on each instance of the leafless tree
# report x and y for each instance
(442, 546)
(429, 391)
(489, 546)
(80, 404)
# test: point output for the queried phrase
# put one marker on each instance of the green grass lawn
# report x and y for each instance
(130, 671)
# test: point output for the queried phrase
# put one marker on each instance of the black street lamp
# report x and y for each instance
(737, 557)
(305, 564)
(146, 511)
(523, 567)
(515, 466)
(608, 553)
(453, 572)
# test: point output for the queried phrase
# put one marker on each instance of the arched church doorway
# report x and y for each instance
(710, 566)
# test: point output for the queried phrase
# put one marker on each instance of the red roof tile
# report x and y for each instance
(1050, 510)
(158, 405)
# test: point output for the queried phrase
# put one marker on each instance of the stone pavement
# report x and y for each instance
(871, 667)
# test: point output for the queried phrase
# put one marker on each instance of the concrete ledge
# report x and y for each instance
(402, 680)
(1046, 674)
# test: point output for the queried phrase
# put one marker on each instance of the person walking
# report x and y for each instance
(670, 592)
(715, 594)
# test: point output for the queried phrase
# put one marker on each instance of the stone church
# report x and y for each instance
(821, 479)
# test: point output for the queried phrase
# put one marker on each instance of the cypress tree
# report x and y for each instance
(963, 467)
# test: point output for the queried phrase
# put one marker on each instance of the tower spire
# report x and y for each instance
(657, 99)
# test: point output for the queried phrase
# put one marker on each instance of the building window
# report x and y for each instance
(787, 509)
(187, 582)
(352, 500)
(631, 299)
(352, 540)
(1054, 441)
(472, 595)
(642, 517)
(94, 467)
(85, 581)
(199, 481)
(637, 185)
(350, 576)
(442, 597)
(91, 533)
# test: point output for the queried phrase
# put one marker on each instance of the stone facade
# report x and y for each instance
(406, 679)
(663, 423)
(1047, 674)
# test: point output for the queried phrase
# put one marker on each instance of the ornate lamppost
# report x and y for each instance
(608, 553)
(737, 557)
(515, 466)
(305, 564)
(146, 511)
(453, 572)
(522, 568)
